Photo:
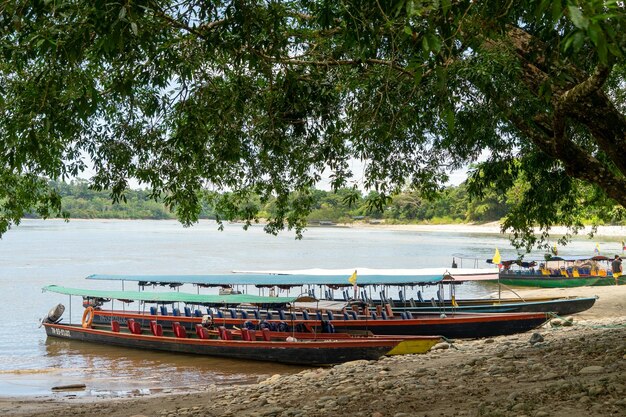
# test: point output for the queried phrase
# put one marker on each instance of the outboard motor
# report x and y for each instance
(54, 315)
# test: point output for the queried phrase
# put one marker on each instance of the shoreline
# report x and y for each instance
(618, 232)
(488, 228)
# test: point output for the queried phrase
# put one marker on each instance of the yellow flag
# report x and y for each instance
(496, 257)
(352, 279)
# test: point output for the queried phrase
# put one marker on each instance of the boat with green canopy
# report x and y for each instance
(244, 344)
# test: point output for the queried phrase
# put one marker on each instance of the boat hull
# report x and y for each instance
(561, 307)
(545, 281)
(315, 352)
(465, 326)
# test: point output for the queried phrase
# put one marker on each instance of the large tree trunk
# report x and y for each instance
(583, 102)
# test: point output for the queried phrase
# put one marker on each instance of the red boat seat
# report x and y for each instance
(245, 335)
(267, 336)
(115, 326)
(249, 335)
(179, 330)
(156, 328)
(225, 334)
(201, 332)
(389, 310)
(133, 326)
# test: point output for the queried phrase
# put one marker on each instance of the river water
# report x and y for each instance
(38, 253)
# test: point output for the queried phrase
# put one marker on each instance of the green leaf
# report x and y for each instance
(577, 17)
(595, 33)
(434, 42)
(557, 10)
(445, 6)
(133, 27)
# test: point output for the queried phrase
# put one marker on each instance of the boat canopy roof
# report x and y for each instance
(173, 297)
(526, 262)
(281, 279)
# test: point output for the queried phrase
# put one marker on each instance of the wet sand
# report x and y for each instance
(578, 370)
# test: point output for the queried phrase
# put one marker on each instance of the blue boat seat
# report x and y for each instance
(197, 313)
(187, 312)
(268, 315)
(244, 314)
(346, 316)
(353, 314)
(305, 314)
(330, 315)
(281, 314)
(164, 310)
(409, 315)
(319, 315)
(233, 313)
(292, 315)
(383, 315)
(175, 312)
(403, 315)
(220, 314)
(419, 296)
(374, 316)
(257, 315)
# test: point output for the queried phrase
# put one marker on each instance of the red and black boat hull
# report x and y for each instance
(298, 353)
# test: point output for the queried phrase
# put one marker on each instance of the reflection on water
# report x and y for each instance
(39, 253)
(116, 371)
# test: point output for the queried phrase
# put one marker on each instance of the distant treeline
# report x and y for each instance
(342, 206)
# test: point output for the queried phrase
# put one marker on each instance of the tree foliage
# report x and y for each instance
(263, 98)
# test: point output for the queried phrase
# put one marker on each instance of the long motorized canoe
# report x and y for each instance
(560, 272)
(458, 325)
(562, 306)
(454, 325)
(320, 351)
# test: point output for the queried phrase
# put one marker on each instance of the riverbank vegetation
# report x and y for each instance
(452, 205)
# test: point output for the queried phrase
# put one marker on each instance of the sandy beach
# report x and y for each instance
(573, 371)
(618, 232)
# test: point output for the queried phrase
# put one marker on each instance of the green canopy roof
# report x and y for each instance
(173, 297)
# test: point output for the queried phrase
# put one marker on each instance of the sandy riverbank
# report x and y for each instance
(575, 371)
(618, 232)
